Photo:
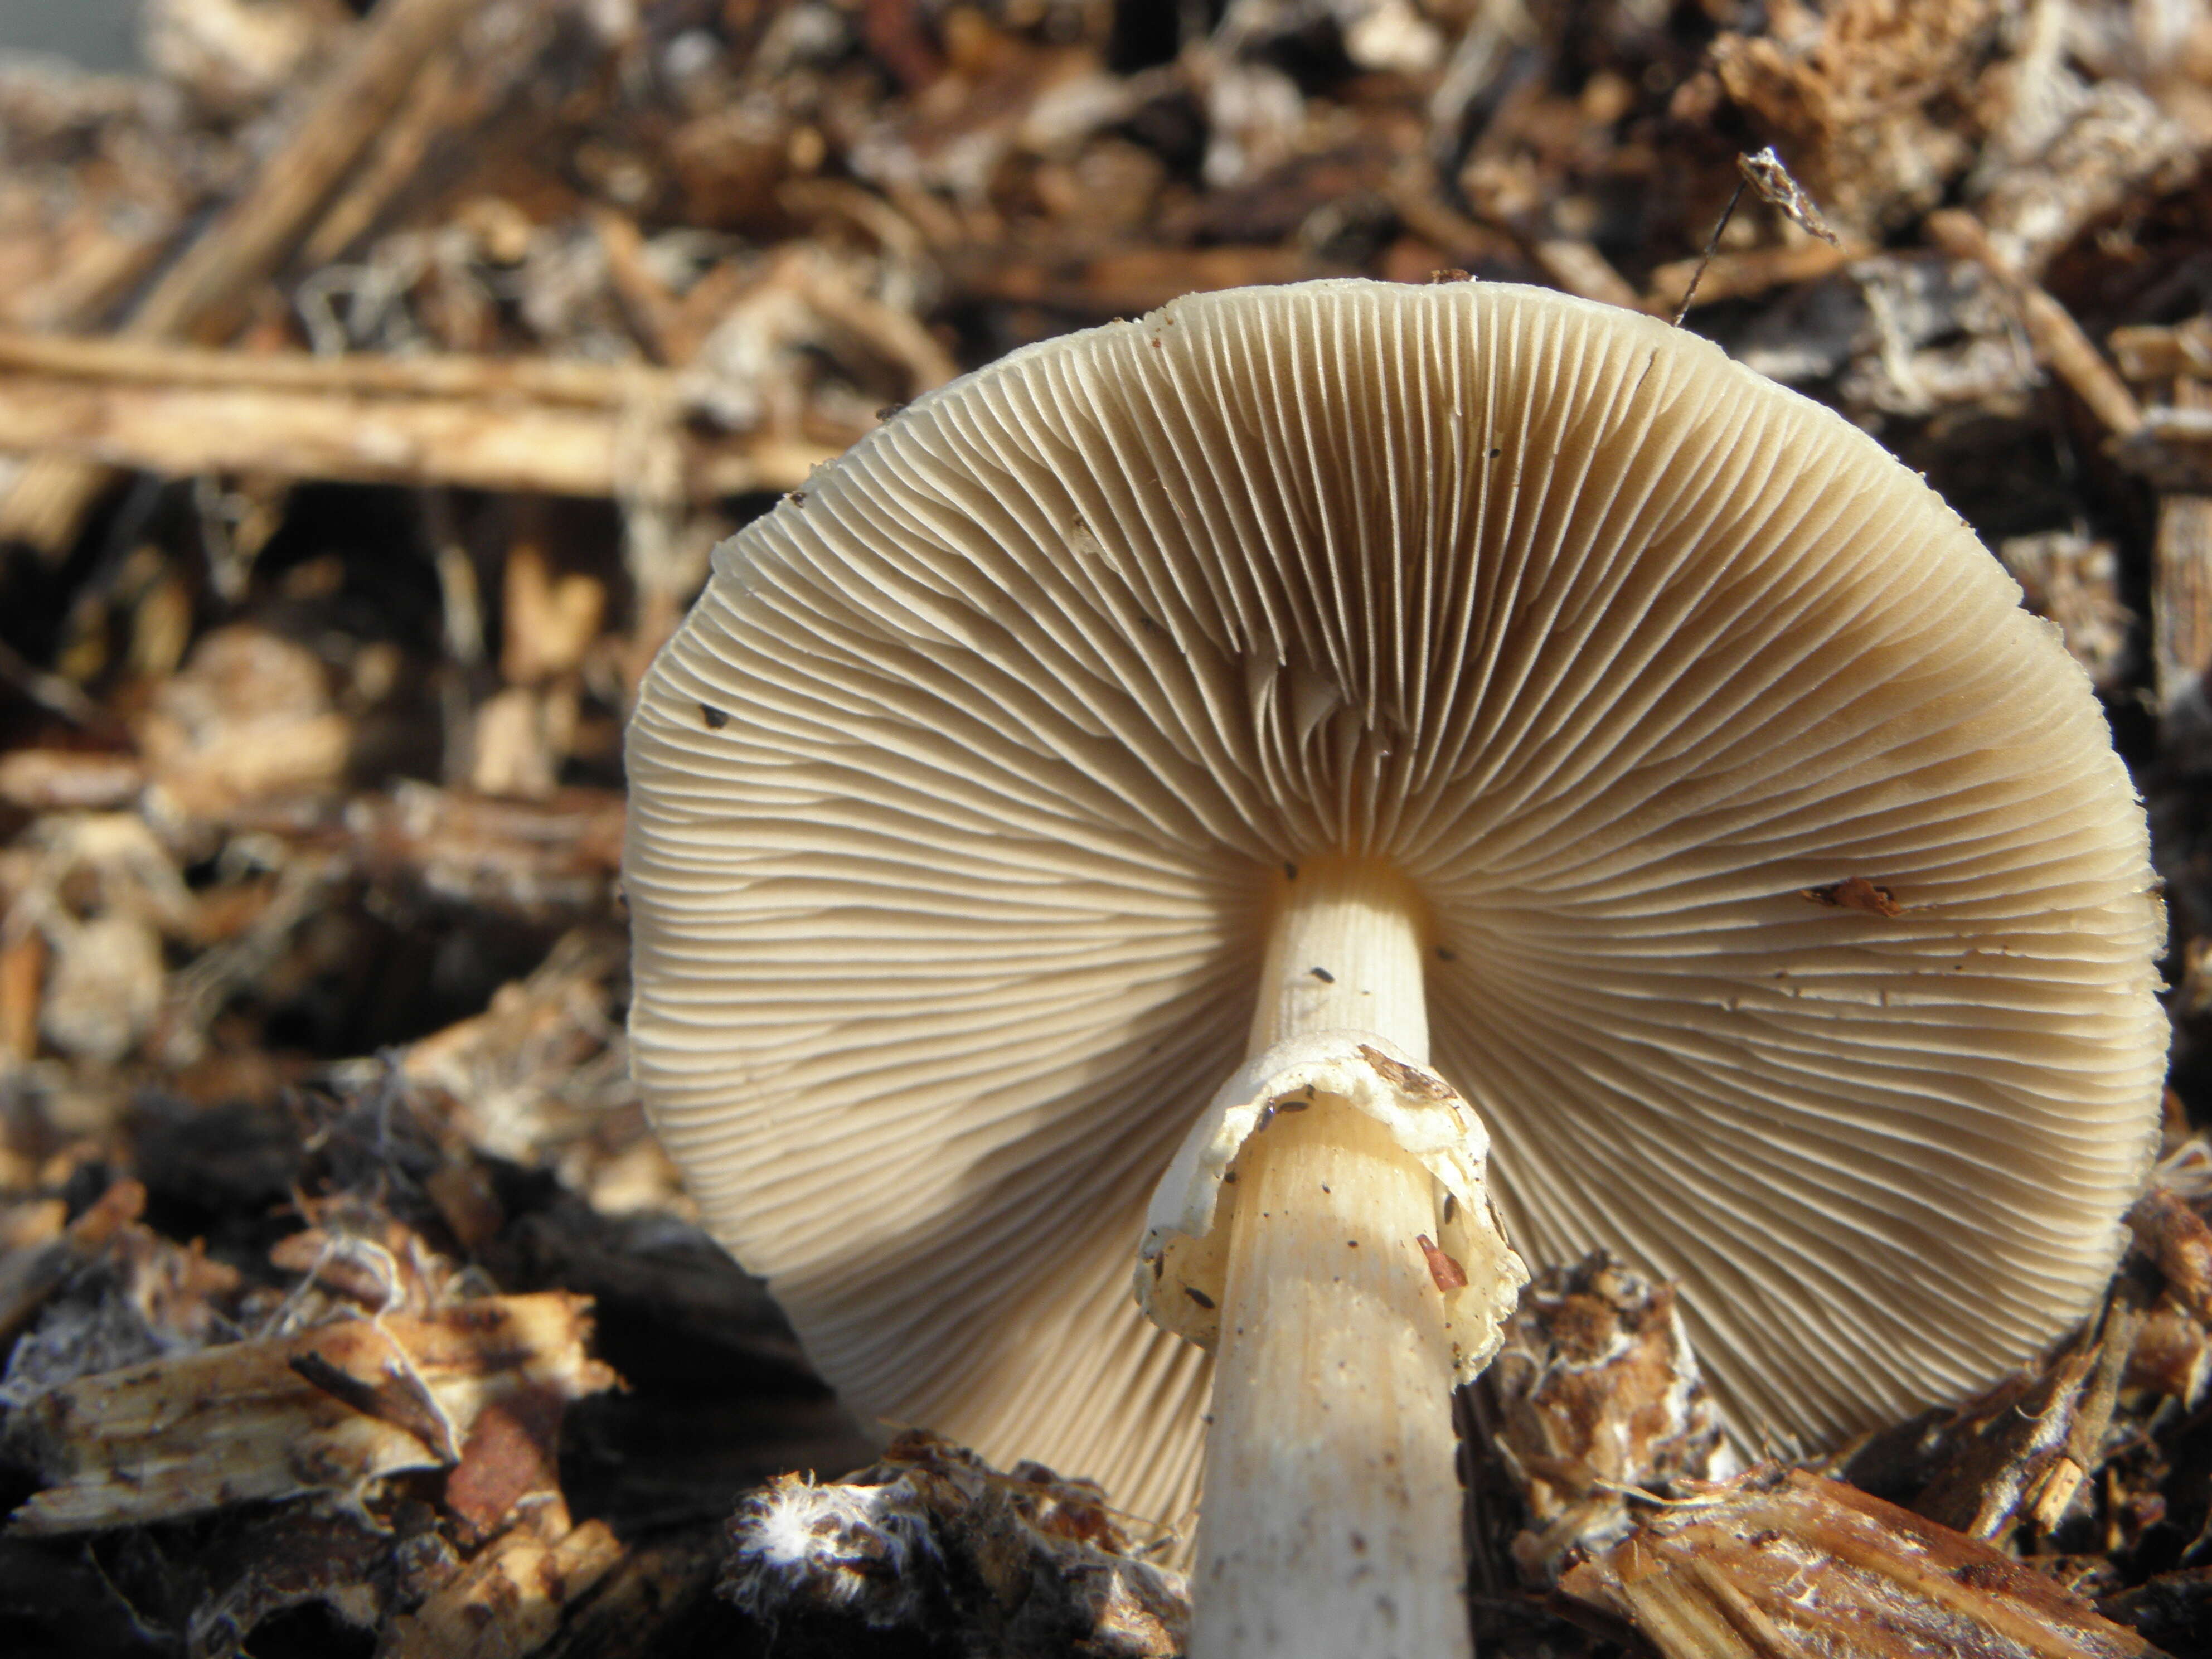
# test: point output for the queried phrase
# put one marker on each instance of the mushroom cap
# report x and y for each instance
(960, 801)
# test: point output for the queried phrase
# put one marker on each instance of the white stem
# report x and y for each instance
(1330, 1525)
(1344, 954)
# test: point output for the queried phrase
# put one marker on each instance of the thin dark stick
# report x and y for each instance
(1711, 247)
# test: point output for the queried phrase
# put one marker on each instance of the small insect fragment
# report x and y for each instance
(715, 718)
(1322, 975)
(1197, 1296)
(1855, 893)
(1447, 1272)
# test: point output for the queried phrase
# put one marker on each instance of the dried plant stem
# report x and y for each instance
(1330, 1521)
(200, 293)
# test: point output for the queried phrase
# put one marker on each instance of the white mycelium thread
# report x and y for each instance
(957, 800)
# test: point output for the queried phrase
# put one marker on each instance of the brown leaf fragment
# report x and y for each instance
(1444, 1269)
(513, 1452)
(1783, 1563)
(1855, 893)
(239, 1422)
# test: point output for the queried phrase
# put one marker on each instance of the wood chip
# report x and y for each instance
(1779, 1565)
(239, 1422)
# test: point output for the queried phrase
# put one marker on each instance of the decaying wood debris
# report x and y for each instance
(376, 379)
(1782, 1563)
(327, 1410)
(930, 1541)
(1598, 1399)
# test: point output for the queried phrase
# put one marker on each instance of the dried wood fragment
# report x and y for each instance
(247, 243)
(1746, 275)
(655, 1586)
(240, 1422)
(30, 1275)
(2181, 594)
(2172, 1353)
(2173, 449)
(564, 382)
(2152, 353)
(437, 100)
(2022, 1450)
(507, 1603)
(23, 960)
(2172, 1234)
(1780, 1564)
(323, 1552)
(2056, 337)
(529, 858)
(1863, 95)
(68, 780)
(195, 424)
(1599, 1396)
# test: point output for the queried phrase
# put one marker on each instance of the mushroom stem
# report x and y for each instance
(1330, 1524)
(1344, 954)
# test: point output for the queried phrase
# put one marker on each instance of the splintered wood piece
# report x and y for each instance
(654, 1589)
(323, 1410)
(507, 1601)
(2057, 338)
(2181, 572)
(194, 426)
(1779, 1565)
(1598, 1394)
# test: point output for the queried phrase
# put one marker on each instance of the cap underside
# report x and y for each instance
(955, 799)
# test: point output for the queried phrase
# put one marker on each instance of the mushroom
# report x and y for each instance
(1377, 686)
